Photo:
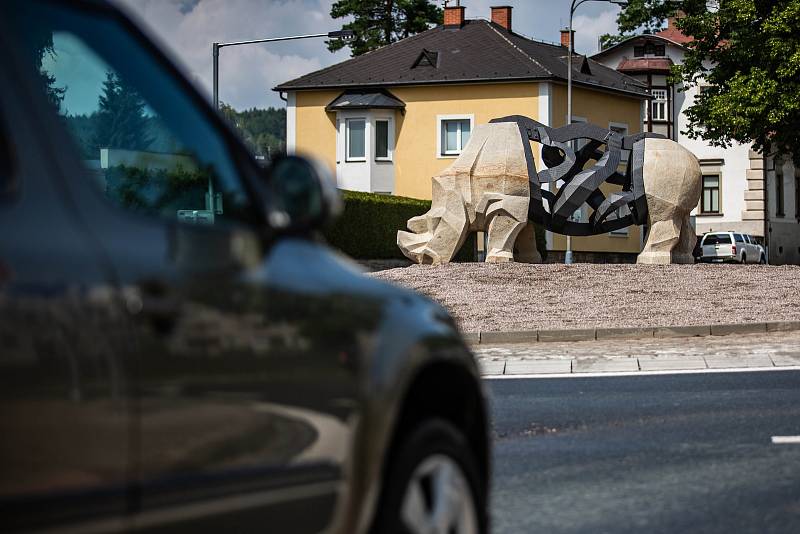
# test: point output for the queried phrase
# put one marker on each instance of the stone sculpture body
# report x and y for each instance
(485, 189)
(493, 186)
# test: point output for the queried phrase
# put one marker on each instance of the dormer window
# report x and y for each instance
(649, 49)
(426, 58)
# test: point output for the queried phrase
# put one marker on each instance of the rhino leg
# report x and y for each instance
(525, 250)
(507, 215)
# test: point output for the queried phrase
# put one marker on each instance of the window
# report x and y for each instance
(453, 135)
(356, 139)
(779, 202)
(659, 105)
(661, 50)
(638, 51)
(738, 238)
(717, 239)
(146, 146)
(709, 203)
(382, 140)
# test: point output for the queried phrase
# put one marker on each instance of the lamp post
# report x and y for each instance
(572, 8)
(345, 35)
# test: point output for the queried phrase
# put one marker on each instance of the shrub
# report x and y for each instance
(367, 229)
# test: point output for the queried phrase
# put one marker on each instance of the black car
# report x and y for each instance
(179, 352)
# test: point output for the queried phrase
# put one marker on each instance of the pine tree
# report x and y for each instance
(380, 22)
(121, 120)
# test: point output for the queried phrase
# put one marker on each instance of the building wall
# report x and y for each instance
(784, 229)
(416, 158)
(315, 128)
(600, 109)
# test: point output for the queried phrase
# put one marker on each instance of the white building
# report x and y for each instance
(737, 181)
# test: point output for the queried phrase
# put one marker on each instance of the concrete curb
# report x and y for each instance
(603, 334)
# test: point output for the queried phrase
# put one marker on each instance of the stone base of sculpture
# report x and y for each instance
(485, 189)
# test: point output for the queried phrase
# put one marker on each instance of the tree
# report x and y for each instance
(639, 16)
(746, 56)
(121, 120)
(380, 22)
(262, 130)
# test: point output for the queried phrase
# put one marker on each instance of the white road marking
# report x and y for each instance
(646, 373)
(783, 440)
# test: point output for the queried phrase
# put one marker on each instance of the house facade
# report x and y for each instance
(742, 190)
(390, 120)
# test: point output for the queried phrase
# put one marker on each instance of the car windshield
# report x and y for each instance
(717, 239)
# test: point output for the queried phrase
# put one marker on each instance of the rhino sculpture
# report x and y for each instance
(493, 186)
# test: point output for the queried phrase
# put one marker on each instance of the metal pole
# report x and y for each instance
(568, 252)
(215, 56)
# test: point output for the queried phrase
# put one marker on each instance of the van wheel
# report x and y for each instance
(432, 485)
(744, 259)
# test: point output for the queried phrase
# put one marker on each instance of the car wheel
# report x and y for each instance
(432, 485)
(744, 258)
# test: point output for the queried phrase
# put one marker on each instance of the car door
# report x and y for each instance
(66, 410)
(246, 374)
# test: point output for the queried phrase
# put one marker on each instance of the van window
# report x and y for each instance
(717, 239)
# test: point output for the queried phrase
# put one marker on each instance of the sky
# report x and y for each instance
(186, 28)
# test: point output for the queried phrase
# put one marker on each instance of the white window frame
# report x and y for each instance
(658, 100)
(389, 138)
(440, 123)
(347, 157)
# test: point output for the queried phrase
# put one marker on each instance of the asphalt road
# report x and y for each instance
(668, 453)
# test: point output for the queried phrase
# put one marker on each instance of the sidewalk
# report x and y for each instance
(776, 350)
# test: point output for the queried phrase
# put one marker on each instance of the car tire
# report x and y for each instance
(432, 479)
(744, 259)
(763, 260)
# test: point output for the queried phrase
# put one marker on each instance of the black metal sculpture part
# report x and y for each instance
(566, 159)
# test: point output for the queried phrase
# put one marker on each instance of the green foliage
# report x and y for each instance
(367, 229)
(156, 191)
(262, 130)
(377, 23)
(121, 121)
(752, 92)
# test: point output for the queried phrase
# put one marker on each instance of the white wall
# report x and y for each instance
(368, 175)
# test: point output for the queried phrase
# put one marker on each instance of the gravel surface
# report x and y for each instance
(517, 296)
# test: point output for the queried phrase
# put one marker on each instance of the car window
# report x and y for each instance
(717, 239)
(738, 238)
(144, 143)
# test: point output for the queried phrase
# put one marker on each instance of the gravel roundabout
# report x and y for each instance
(517, 296)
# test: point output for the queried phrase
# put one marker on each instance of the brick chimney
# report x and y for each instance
(565, 37)
(501, 15)
(453, 16)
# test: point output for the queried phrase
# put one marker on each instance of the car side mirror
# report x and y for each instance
(303, 194)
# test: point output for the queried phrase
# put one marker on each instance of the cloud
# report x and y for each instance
(588, 30)
(247, 73)
(186, 28)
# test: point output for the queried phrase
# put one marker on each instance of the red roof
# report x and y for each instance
(645, 64)
(675, 35)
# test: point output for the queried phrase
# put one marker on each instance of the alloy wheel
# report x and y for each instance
(438, 499)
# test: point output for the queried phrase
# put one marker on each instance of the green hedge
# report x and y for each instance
(367, 229)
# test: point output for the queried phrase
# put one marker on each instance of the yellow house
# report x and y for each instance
(389, 120)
